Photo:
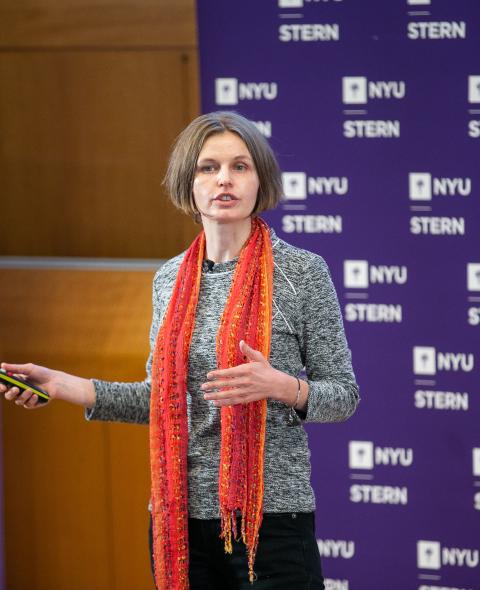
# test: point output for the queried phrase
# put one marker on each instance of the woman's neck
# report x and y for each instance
(224, 241)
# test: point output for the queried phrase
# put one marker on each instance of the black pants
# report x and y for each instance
(287, 557)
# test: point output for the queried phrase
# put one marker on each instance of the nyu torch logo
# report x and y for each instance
(359, 274)
(427, 361)
(473, 276)
(432, 556)
(476, 462)
(474, 89)
(229, 91)
(422, 186)
(359, 90)
(297, 185)
(363, 454)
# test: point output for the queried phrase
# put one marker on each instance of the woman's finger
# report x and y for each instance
(251, 354)
(12, 393)
(230, 373)
(237, 393)
(226, 388)
(24, 369)
(220, 384)
(32, 402)
(23, 398)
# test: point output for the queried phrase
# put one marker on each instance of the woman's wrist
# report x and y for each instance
(89, 394)
(302, 403)
(76, 390)
(293, 392)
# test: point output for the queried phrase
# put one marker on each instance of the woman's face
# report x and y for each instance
(226, 183)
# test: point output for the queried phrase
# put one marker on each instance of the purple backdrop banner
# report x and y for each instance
(373, 108)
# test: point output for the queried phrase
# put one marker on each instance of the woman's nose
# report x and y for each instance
(224, 176)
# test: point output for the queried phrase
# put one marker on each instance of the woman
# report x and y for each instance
(236, 318)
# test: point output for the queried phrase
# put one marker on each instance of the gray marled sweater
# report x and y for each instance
(307, 332)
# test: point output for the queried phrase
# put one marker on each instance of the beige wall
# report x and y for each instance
(91, 96)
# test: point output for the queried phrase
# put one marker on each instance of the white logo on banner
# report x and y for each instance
(473, 276)
(428, 555)
(355, 274)
(473, 284)
(417, 2)
(290, 3)
(354, 90)
(358, 274)
(474, 98)
(357, 89)
(424, 360)
(294, 185)
(226, 91)
(336, 548)
(362, 454)
(427, 361)
(297, 185)
(476, 462)
(474, 89)
(432, 556)
(422, 186)
(229, 91)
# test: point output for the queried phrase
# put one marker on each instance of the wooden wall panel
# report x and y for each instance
(67, 23)
(129, 475)
(77, 490)
(55, 491)
(84, 143)
(91, 96)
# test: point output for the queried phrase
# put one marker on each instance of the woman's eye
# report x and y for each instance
(209, 168)
(240, 167)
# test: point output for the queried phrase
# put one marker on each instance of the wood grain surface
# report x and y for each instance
(92, 94)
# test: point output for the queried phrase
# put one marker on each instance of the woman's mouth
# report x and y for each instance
(225, 198)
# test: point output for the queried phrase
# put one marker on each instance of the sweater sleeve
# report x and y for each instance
(333, 391)
(128, 402)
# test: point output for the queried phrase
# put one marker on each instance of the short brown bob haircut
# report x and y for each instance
(188, 145)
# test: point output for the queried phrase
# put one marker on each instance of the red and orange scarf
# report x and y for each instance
(247, 316)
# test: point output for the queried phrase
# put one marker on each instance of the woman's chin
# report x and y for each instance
(226, 216)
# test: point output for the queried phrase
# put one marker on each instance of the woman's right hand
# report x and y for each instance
(57, 384)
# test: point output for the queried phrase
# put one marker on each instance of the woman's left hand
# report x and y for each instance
(249, 382)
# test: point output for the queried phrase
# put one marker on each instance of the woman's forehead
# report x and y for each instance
(226, 144)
